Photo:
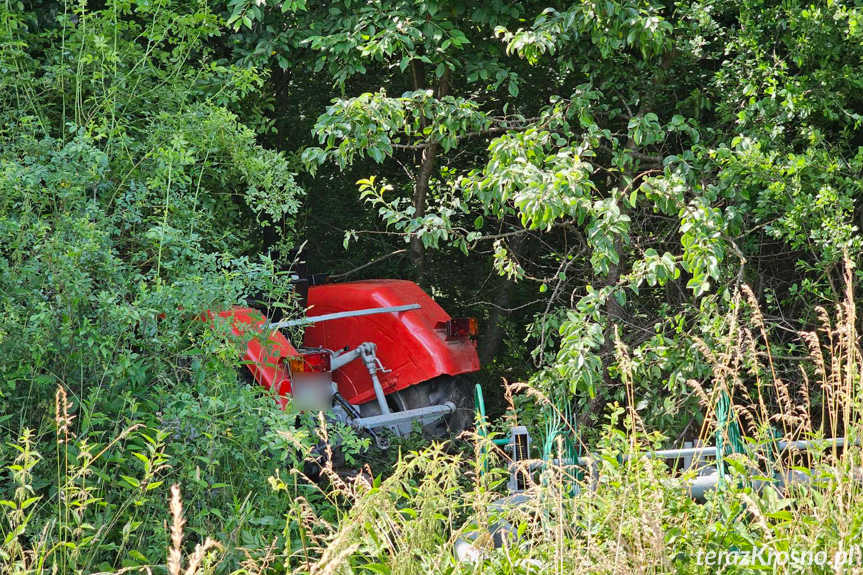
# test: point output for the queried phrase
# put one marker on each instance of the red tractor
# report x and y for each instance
(377, 354)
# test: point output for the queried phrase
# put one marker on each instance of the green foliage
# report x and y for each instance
(131, 193)
(347, 39)
(625, 165)
(115, 235)
(652, 130)
(543, 187)
(373, 125)
(433, 229)
(609, 26)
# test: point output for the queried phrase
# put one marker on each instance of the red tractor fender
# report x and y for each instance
(410, 344)
(263, 356)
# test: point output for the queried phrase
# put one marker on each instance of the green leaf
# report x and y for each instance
(131, 481)
(138, 556)
(513, 88)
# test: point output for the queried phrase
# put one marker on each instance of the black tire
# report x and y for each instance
(245, 377)
(312, 468)
(438, 391)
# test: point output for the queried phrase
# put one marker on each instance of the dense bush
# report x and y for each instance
(132, 199)
(437, 510)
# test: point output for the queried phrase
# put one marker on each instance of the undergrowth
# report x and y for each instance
(626, 514)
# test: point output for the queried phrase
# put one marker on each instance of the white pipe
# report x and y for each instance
(341, 360)
(343, 314)
(424, 415)
(803, 445)
(781, 445)
(697, 488)
(367, 351)
(711, 450)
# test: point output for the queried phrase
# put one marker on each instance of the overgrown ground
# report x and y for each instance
(630, 515)
(648, 205)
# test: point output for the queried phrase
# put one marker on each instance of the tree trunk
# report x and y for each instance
(491, 340)
(421, 189)
(416, 251)
(614, 312)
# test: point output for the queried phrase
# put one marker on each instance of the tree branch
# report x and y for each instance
(519, 232)
(488, 132)
(365, 265)
(640, 156)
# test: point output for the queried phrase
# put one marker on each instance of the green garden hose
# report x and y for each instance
(482, 426)
(726, 427)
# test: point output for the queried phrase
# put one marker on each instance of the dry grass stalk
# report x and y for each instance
(199, 554)
(62, 417)
(260, 566)
(625, 364)
(175, 551)
(330, 562)
(327, 469)
(542, 399)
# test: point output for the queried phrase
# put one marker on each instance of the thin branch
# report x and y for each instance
(520, 232)
(569, 259)
(494, 130)
(483, 303)
(640, 156)
(365, 265)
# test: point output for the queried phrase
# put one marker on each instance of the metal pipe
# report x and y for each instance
(711, 450)
(699, 487)
(341, 360)
(379, 393)
(367, 351)
(353, 412)
(781, 445)
(424, 415)
(803, 445)
(342, 315)
(679, 453)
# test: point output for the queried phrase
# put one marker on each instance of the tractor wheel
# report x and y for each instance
(438, 391)
(245, 377)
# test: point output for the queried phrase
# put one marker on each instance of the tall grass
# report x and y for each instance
(634, 516)
(631, 515)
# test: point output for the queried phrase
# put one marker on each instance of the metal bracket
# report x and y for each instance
(520, 442)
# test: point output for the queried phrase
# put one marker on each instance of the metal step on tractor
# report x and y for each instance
(376, 354)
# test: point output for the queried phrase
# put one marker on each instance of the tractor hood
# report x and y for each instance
(412, 345)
